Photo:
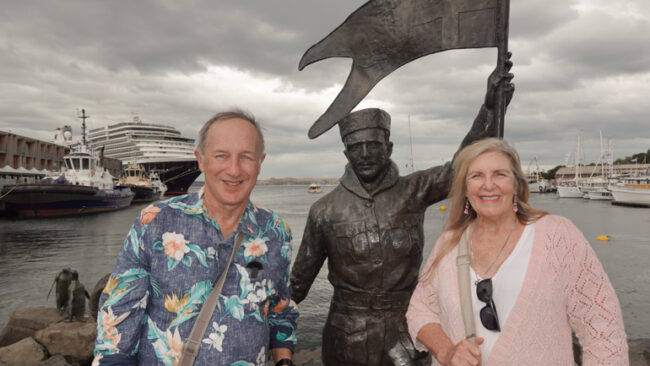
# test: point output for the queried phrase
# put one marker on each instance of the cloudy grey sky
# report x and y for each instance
(579, 65)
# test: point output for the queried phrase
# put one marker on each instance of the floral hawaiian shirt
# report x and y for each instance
(165, 271)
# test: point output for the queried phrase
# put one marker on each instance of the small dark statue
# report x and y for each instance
(62, 282)
(77, 296)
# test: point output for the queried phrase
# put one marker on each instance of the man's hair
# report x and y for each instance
(221, 116)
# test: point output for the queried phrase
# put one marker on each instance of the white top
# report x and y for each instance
(506, 284)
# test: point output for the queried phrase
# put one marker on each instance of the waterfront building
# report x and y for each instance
(27, 160)
(596, 171)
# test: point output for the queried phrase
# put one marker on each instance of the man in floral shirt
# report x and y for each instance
(177, 249)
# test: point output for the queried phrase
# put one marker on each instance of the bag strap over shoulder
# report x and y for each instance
(464, 287)
(192, 344)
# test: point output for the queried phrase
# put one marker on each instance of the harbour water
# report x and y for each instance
(33, 251)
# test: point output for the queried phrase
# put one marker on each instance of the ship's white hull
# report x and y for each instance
(631, 195)
(541, 186)
(600, 195)
(569, 192)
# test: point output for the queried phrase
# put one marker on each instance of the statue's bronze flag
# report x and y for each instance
(383, 35)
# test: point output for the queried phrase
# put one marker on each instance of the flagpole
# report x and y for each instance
(502, 34)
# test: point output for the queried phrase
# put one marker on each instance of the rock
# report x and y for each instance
(308, 358)
(639, 352)
(75, 340)
(26, 352)
(97, 292)
(56, 360)
(24, 323)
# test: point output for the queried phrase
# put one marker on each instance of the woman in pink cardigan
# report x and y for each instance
(534, 278)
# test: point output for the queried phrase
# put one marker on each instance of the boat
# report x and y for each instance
(571, 188)
(600, 194)
(314, 188)
(536, 182)
(145, 188)
(632, 191)
(157, 148)
(159, 187)
(83, 186)
(596, 187)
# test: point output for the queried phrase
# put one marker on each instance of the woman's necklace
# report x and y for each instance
(471, 249)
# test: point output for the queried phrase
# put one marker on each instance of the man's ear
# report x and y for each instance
(199, 158)
(389, 148)
(345, 152)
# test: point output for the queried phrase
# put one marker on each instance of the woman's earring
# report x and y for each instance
(514, 204)
(466, 206)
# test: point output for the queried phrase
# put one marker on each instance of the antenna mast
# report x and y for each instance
(83, 126)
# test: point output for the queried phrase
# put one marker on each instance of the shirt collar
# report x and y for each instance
(351, 182)
(246, 223)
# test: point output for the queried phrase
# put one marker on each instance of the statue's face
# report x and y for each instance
(368, 151)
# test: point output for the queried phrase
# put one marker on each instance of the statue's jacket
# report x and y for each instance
(373, 242)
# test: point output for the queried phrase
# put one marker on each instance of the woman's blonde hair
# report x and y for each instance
(458, 221)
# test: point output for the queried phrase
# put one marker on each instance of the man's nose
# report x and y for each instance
(234, 166)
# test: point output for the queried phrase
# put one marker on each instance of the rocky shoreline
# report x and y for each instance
(40, 337)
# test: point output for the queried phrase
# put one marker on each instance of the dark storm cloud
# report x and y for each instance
(579, 65)
(160, 36)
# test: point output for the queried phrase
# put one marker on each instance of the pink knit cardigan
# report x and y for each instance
(564, 288)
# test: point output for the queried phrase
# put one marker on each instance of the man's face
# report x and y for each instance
(368, 152)
(231, 162)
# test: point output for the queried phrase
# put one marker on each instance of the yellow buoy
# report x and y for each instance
(603, 238)
(442, 208)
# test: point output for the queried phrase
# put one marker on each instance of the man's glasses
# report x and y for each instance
(488, 314)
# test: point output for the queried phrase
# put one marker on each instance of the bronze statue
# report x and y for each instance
(77, 296)
(62, 281)
(370, 228)
(383, 35)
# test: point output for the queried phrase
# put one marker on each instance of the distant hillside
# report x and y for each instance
(298, 181)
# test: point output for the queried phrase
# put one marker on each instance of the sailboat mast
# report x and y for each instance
(578, 153)
(602, 156)
(411, 143)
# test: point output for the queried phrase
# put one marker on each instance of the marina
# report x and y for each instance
(90, 244)
(107, 169)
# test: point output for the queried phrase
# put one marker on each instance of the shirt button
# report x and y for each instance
(368, 204)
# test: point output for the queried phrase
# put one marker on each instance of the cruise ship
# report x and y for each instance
(157, 148)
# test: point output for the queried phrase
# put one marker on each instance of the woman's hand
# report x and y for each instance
(462, 354)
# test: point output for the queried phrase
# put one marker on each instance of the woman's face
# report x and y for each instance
(490, 185)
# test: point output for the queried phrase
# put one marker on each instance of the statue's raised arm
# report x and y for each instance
(486, 123)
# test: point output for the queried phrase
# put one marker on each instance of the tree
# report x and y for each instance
(551, 173)
(640, 158)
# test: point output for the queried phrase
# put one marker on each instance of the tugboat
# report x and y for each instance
(83, 186)
(146, 188)
(159, 188)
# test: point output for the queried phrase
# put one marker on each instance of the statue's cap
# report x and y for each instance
(363, 119)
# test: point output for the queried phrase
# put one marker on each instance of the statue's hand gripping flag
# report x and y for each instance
(383, 35)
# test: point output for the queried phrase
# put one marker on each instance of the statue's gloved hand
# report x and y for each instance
(495, 79)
